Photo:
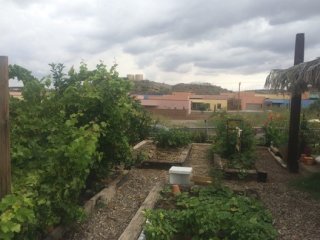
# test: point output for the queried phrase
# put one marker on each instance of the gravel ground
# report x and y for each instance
(296, 215)
(109, 222)
(199, 159)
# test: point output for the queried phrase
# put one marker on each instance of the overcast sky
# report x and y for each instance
(172, 41)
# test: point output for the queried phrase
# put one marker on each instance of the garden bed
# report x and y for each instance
(207, 213)
(162, 158)
(255, 173)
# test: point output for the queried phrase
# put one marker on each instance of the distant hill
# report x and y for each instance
(201, 89)
(150, 87)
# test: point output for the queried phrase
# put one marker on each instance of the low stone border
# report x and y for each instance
(104, 196)
(140, 144)
(135, 226)
(273, 152)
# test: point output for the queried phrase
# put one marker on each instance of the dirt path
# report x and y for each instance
(109, 222)
(199, 159)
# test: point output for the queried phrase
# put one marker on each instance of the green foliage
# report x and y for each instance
(313, 111)
(211, 213)
(199, 137)
(309, 136)
(276, 132)
(16, 215)
(239, 151)
(172, 138)
(64, 138)
(141, 156)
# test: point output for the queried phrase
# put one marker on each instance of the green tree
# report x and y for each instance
(61, 139)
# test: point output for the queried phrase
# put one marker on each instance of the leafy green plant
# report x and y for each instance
(234, 141)
(172, 138)
(199, 137)
(16, 215)
(276, 133)
(141, 156)
(211, 213)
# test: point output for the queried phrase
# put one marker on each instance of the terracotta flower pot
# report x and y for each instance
(302, 156)
(308, 160)
(175, 189)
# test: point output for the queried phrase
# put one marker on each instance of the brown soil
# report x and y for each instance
(163, 155)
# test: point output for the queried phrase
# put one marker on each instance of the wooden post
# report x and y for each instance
(5, 165)
(294, 125)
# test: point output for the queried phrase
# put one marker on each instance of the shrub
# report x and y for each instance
(62, 139)
(172, 138)
(199, 137)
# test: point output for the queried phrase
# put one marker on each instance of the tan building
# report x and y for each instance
(213, 102)
(130, 77)
(138, 77)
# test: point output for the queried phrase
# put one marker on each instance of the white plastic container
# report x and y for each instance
(180, 175)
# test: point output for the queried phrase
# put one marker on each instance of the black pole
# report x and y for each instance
(294, 125)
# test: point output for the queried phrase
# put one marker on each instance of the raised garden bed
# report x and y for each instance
(236, 174)
(208, 213)
(162, 158)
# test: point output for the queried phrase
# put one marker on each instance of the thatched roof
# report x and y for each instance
(295, 79)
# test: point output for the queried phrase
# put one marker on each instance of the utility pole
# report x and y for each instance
(239, 101)
(295, 109)
(5, 164)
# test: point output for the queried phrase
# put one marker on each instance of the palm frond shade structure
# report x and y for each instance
(295, 79)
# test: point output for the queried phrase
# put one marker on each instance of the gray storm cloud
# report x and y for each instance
(242, 37)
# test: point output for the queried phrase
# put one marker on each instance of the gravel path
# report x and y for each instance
(296, 215)
(199, 159)
(109, 222)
